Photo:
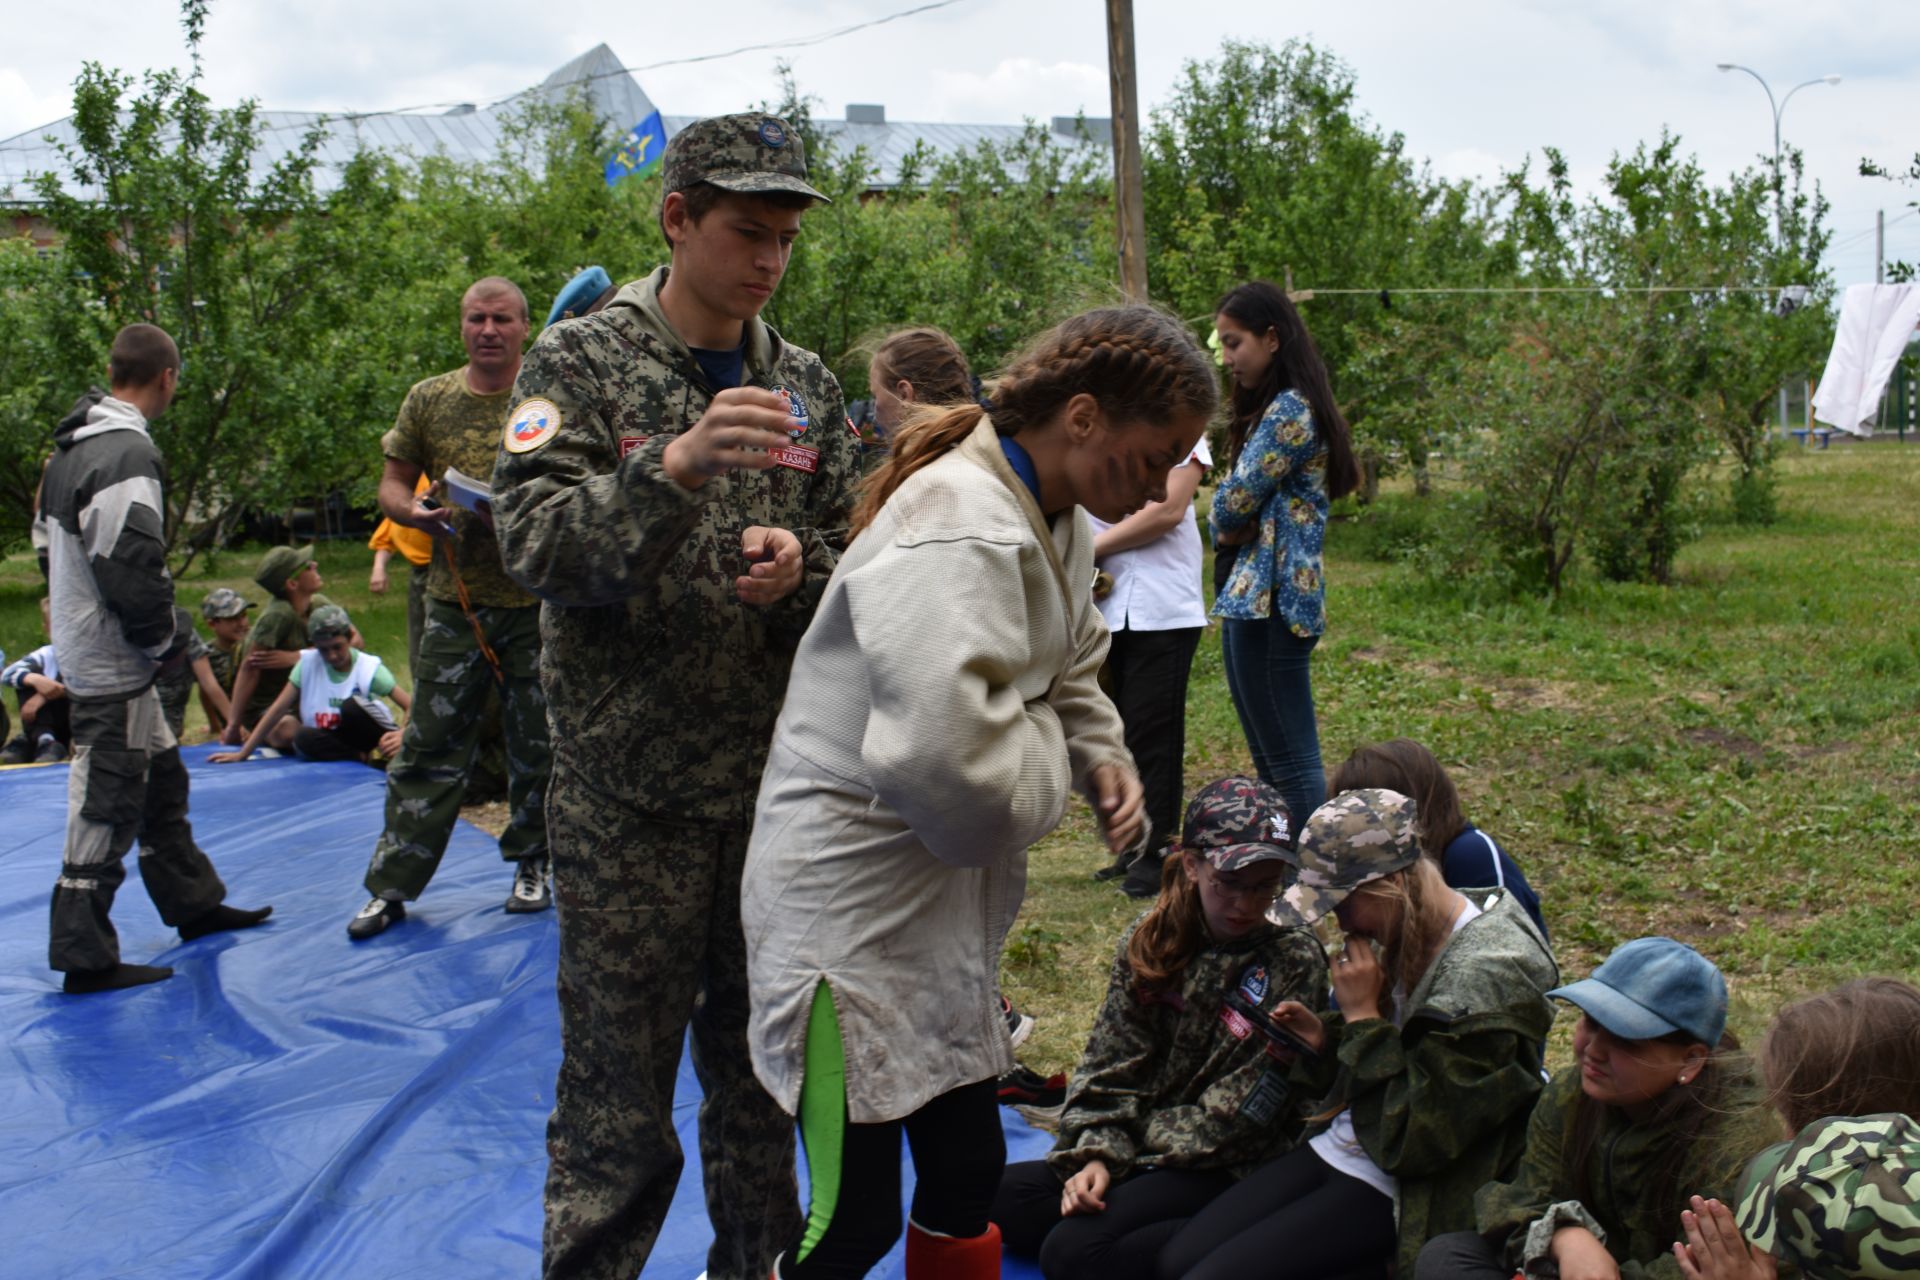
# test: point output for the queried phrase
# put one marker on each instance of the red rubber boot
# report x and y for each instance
(938, 1257)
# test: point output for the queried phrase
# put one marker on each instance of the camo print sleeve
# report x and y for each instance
(578, 523)
(1111, 1088)
(1503, 1209)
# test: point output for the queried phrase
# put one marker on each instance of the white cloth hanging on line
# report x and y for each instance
(1876, 322)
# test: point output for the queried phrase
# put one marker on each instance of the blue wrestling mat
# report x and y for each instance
(291, 1104)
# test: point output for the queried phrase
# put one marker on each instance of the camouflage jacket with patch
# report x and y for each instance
(1624, 1174)
(1177, 1080)
(661, 685)
(1441, 1101)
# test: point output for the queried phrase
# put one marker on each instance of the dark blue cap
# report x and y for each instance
(1653, 987)
(580, 293)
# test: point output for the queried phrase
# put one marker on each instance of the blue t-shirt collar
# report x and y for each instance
(1022, 463)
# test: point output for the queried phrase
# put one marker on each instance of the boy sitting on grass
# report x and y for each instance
(338, 691)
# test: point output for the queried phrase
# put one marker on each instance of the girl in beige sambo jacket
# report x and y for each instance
(941, 705)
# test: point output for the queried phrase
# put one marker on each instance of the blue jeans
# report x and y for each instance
(1272, 688)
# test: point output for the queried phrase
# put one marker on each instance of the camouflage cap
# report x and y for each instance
(328, 620)
(279, 566)
(1355, 837)
(752, 154)
(224, 602)
(1238, 821)
(1841, 1200)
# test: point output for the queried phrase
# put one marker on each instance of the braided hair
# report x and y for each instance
(1137, 363)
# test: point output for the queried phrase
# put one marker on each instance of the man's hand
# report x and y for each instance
(1291, 1015)
(232, 735)
(225, 757)
(390, 743)
(273, 659)
(774, 565)
(1120, 804)
(31, 708)
(1715, 1250)
(1358, 981)
(1581, 1256)
(737, 429)
(46, 686)
(435, 519)
(1085, 1190)
(377, 580)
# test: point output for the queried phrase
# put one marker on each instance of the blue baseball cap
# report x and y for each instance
(1653, 987)
(580, 294)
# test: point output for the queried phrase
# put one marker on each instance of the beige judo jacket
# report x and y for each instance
(941, 705)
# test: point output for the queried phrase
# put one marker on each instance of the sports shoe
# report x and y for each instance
(52, 751)
(1024, 1085)
(1143, 878)
(1115, 869)
(375, 917)
(17, 751)
(530, 891)
(1019, 1025)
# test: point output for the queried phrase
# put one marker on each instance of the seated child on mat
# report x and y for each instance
(337, 690)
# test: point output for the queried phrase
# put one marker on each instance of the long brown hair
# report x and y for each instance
(1403, 765)
(1686, 1112)
(1423, 911)
(1138, 364)
(1852, 1051)
(927, 359)
(1172, 933)
(1259, 308)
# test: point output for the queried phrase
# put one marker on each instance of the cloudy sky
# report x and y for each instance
(1475, 86)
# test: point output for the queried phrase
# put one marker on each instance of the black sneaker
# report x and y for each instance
(17, 751)
(530, 892)
(1143, 878)
(1024, 1085)
(1019, 1025)
(1115, 869)
(52, 751)
(374, 918)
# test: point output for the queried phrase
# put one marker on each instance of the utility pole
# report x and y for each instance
(1879, 246)
(1129, 205)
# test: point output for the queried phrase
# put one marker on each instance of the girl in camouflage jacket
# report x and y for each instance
(1658, 1102)
(1178, 1094)
(1430, 1065)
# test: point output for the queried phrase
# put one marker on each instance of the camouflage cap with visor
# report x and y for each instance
(1841, 1200)
(328, 620)
(752, 154)
(1355, 837)
(280, 566)
(1235, 822)
(224, 602)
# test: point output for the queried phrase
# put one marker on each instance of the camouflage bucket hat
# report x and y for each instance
(224, 602)
(752, 154)
(1355, 837)
(1235, 822)
(1841, 1200)
(328, 620)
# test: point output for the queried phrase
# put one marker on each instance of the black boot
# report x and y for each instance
(1143, 878)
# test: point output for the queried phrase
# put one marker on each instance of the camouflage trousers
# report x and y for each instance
(426, 781)
(650, 941)
(126, 783)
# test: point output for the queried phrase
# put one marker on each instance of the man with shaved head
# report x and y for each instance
(482, 629)
(112, 620)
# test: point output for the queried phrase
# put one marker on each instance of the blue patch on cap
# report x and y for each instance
(772, 134)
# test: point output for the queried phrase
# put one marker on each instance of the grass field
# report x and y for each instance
(1733, 760)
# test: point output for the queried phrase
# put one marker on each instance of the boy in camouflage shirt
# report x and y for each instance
(673, 482)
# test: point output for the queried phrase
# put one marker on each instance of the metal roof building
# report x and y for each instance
(473, 133)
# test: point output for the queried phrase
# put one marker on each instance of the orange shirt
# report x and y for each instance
(416, 546)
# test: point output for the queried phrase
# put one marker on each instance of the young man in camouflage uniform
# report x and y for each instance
(481, 628)
(674, 482)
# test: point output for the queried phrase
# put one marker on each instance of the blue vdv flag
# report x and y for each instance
(640, 151)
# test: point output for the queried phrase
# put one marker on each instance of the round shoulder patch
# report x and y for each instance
(532, 424)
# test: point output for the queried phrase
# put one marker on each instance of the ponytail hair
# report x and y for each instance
(1259, 308)
(1403, 765)
(929, 360)
(1172, 933)
(1138, 364)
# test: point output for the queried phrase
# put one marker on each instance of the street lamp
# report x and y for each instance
(1779, 185)
(1779, 109)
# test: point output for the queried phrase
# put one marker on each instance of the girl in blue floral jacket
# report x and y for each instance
(1290, 453)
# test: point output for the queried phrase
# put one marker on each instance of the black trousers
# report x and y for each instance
(363, 720)
(1143, 1212)
(54, 717)
(1148, 674)
(1294, 1218)
(126, 783)
(959, 1154)
(1462, 1255)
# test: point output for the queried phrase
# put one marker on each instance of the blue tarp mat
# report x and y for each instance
(291, 1104)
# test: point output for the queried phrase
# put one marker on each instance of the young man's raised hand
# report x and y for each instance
(737, 430)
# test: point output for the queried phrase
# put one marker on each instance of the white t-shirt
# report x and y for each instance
(1338, 1145)
(323, 690)
(1157, 587)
